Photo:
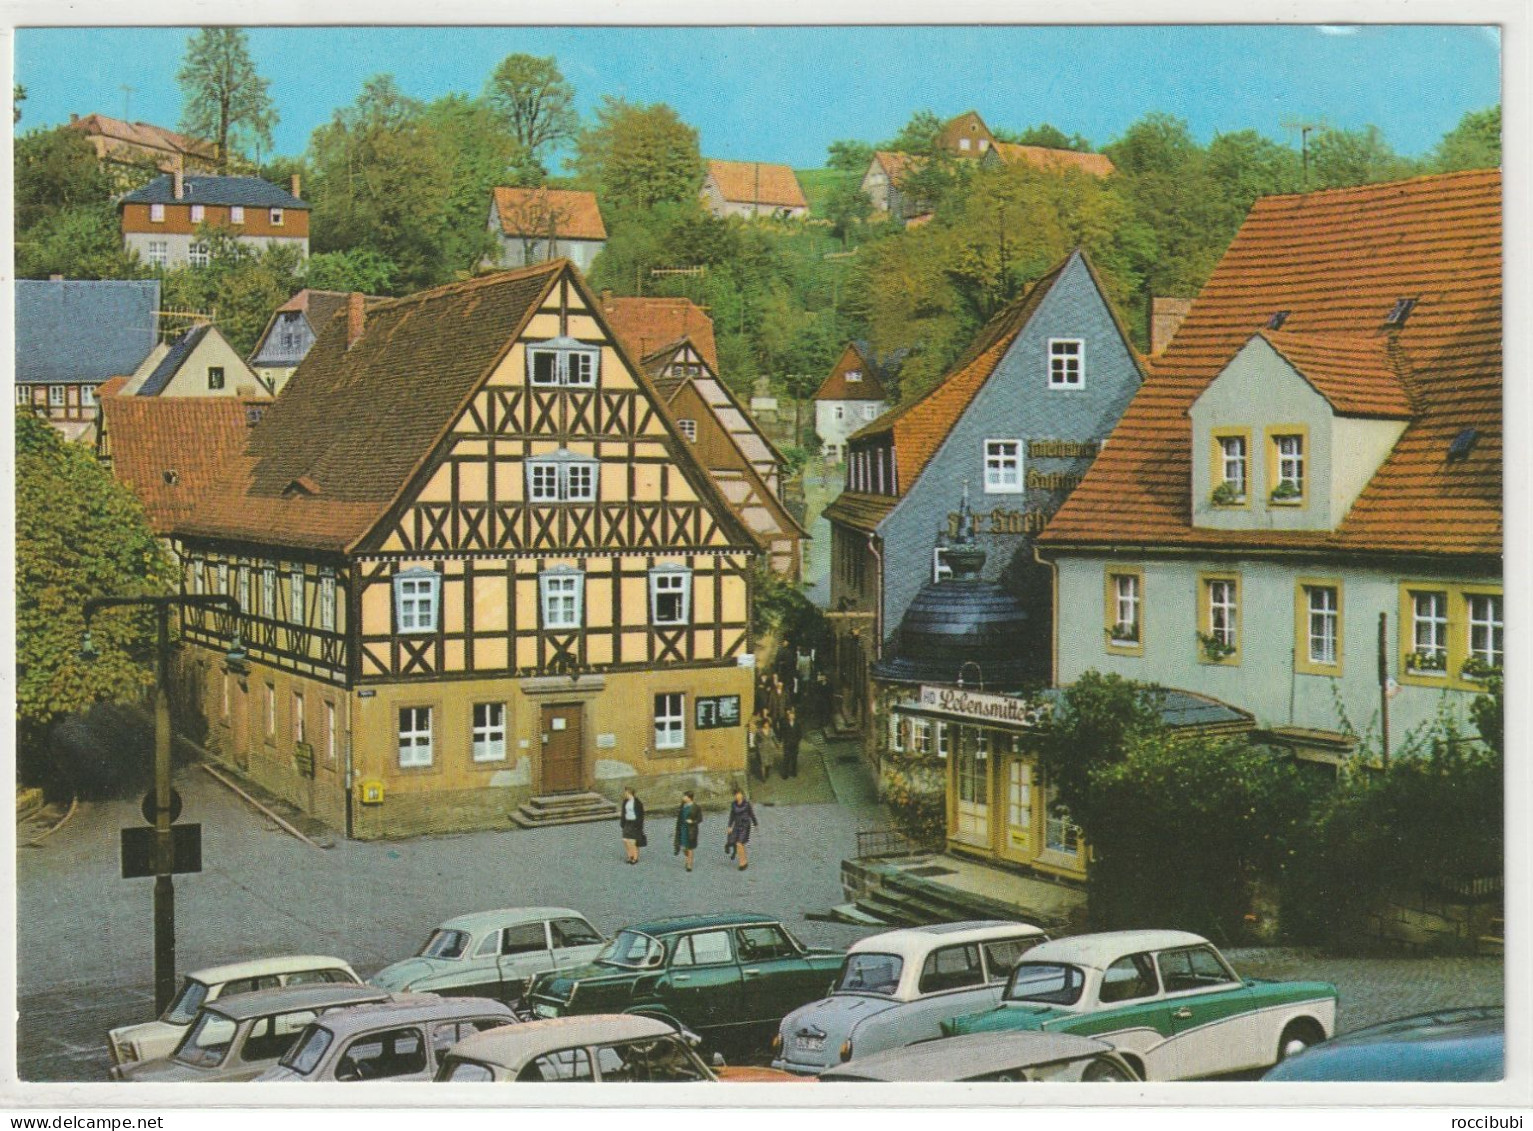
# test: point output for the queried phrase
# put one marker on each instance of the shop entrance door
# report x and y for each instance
(972, 767)
(563, 768)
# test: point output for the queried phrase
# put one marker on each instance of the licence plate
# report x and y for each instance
(809, 1044)
(545, 1010)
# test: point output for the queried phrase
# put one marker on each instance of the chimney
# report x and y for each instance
(356, 318)
(294, 184)
(606, 299)
(1166, 316)
(179, 183)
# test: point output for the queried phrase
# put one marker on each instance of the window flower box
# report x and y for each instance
(1227, 494)
(1287, 492)
(1123, 634)
(1215, 650)
(1477, 670)
(1427, 663)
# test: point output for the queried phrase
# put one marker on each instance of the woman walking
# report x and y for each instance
(631, 819)
(741, 817)
(688, 817)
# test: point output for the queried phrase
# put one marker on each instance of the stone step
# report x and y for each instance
(536, 820)
(898, 909)
(555, 802)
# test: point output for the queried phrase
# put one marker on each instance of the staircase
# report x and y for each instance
(890, 895)
(563, 809)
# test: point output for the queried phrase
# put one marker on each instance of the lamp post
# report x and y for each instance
(164, 852)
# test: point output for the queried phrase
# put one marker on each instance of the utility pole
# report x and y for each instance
(1384, 684)
(127, 101)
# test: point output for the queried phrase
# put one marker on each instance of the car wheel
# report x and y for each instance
(1297, 1037)
(1105, 1072)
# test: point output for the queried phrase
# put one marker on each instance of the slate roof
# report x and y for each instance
(1337, 261)
(202, 188)
(576, 214)
(755, 182)
(837, 388)
(1354, 373)
(646, 325)
(74, 330)
(317, 308)
(1057, 160)
(195, 438)
(174, 358)
(144, 134)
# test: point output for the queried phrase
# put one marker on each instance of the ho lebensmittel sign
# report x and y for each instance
(978, 706)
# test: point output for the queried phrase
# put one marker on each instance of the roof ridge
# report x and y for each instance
(1377, 186)
(465, 286)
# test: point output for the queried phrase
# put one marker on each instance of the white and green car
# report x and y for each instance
(1166, 1000)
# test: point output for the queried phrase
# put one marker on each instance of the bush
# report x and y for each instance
(917, 800)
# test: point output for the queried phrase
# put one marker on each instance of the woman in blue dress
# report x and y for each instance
(741, 817)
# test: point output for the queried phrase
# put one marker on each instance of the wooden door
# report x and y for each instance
(563, 765)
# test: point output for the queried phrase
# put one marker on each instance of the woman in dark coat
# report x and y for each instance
(688, 817)
(631, 818)
(741, 817)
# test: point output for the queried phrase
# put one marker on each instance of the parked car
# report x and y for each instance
(1166, 1000)
(239, 1036)
(1466, 1045)
(605, 1048)
(728, 978)
(495, 954)
(898, 987)
(1013, 1056)
(403, 1039)
(159, 1038)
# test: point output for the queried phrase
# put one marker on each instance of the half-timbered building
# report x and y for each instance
(476, 563)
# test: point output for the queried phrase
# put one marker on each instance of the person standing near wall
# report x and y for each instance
(631, 822)
(688, 817)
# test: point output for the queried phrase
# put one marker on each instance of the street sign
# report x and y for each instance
(138, 850)
(148, 807)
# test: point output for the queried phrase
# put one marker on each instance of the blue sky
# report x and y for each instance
(782, 94)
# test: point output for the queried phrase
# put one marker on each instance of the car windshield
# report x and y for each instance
(445, 944)
(184, 1008)
(1048, 983)
(307, 1050)
(207, 1042)
(631, 949)
(870, 974)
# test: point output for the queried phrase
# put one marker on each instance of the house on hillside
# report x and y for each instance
(885, 184)
(1049, 160)
(966, 136)
(535, 225)
(292, 331)
(163, 221)
(139, 143)
(199, 363)
(1314, 465)
(72, 336)
(852, 396)
(644, 325)
(510, 588)
(753, 188)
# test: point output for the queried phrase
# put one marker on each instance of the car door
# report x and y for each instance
(1131, 1014)
(702, 986)
(1214, 1027)
(387, 1054)
(950, 984)
(574, 941)
(775, 977)
(265, 1041)
(476, 974)
(523, 956)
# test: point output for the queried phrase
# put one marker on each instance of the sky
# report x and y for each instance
(784, 93)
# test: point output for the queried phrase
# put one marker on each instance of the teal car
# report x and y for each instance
(1166, 1000)
(727, 978)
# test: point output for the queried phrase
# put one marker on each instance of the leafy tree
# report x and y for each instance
(18, 96)
(1340, 158)
(225, 98)
(244, 284)
(918, 136)
(477, 154)
(360, 269)
(637, 156)
(78, 243)
(79, 534)
(1488, 713)
(1475, 143)
(1045, 135)
(533, 101)
(1099, 721)
(56, 170)
(1244, 166)
(846, 208)
(849, 156)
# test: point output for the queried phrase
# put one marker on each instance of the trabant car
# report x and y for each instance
(898, 987)
(728, 978)
(495, 954)
(239, 1036)
(159, 1038)
(402, 1039)
(1166, 1000)
(983, 1057)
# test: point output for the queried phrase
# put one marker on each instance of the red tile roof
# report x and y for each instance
(1059, 160)
(754, 182)
(144, 134)
(645, 325)
(896, 164)
(527, 212)
(1337, 261)
(1354, 373)
(837, 388)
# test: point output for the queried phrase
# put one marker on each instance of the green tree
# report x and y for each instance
(1475, 143)
(637, 156)
(1045, 135)
(56, 170)
(18, 96)
(360, 269)
(533, 101)
(78, 243)
(918, 136)
(225, 98)
(849, 156)
(243, 284)
(477, 154)
(79, 534)
(847, 208)
(1341, 158)
(1099, 721)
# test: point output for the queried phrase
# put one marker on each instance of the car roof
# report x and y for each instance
(255, 967)
(405, 1009)
(973, 1054)
(1103, 949)
(285, 999)
(909, 942)
(513, 1046)
(682, 923)
(474, 921)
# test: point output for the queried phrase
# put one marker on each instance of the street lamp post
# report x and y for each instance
(164, 851)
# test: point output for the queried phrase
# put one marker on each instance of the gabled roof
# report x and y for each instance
(74, 330)
(528, 212)
(1337, 262)
(1354, 373)
(317, 308)
(755, 182)
(203, 188)
(863, 359)
(1057, 160)
(168, 450)
(174, 358)
(896, 164)
(647, 325)
(144, 134)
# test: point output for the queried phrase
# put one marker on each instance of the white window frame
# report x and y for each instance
(688, 428)
(670, 720)
(295, 595)
(670, 581)
(1290, 462)
(1227, 461)
(269, 590)
(221, 377)
(1323, 612)
(1223, 597)
(270, 692)
(56, 398)
(197, 565)
(920, 736)
(997, 461)
(330, 733)
(199, 212)
(223, 580)
(242, 590)
(1487, 620)
(300, 726)
(555, 587)
(236, 214)
(159, 253)
(1067, 363)
(199, 254)
(854, 376)
(1429, 627)
(897, 727)
(327, 600)
(23, 395)
(870, 411)
(417, 601)
(488, 732)
(1127, 604)
(944, 739)
(87, 396)
(556, 479)
(576, 364)
(275, 216)
(157, 214)
(416, 741)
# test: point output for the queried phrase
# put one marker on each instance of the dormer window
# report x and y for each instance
(563, 361)
(1400, 312)
(1277, 320)
(1232, 453)
(562, 477)
(688, 429)
(1287, 468)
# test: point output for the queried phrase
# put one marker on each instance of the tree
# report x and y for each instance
(18, 96)
(918, 136)
(1341, 158)
(637, 156)
(846, 207)
(849, 156)
(533, 101)
(1099, 721)
(1475, 143)
(1045, 135)
(360, 269)
(56, 170)
(475, 154)
(225, 98)
(243, 284)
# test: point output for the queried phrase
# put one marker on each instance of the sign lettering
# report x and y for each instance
(1002, 521)
(980, 705)
(1062, 449)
